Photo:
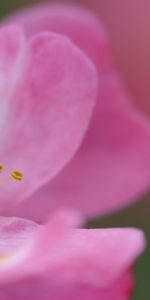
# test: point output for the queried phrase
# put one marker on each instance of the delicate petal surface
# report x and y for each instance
(12, 48)
(48, 107)
(113, 165)
(78, 262)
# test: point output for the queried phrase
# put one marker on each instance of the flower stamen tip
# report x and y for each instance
(18, 175)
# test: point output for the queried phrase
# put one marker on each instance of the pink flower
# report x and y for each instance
(48, 90)
(59, 261)
(112, 166)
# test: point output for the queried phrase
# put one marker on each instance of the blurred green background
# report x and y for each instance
(136, 215)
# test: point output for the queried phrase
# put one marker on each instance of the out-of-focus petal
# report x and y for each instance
(83, 27)
(112, 167)
(78, 262)
(128, 23)
(42, 288)
(48, 109)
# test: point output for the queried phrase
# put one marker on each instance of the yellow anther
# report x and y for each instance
(17, 175)
(1, 168)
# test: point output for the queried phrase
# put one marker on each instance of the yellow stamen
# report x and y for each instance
(17, 175)
(1, 168)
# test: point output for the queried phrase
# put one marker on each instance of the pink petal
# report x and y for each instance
(112, 167)
(13, 234)
(48, 110)
(83, 27)
(58, 260)
(82, 262)
(41, 289)
(12, 47)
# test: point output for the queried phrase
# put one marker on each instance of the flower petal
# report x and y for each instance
(91, 262)
(41, 288)
(13, 234)
(12, 48)
(112, 167)
(49, 112)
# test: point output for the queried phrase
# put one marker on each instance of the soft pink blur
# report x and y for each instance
(128, 23)
(63, 262)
